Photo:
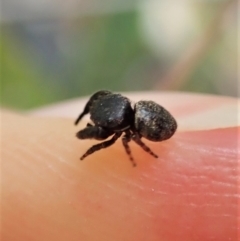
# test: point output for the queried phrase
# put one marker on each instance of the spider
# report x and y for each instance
(113, 115)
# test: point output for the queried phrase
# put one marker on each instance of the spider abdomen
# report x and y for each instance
(153, 122)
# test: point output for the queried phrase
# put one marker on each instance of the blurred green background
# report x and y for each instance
(56, 50)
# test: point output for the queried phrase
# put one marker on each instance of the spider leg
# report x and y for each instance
(94, 132)
(125, 139)
(101, 145)
(137, 139)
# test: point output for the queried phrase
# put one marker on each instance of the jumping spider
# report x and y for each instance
(113, 115)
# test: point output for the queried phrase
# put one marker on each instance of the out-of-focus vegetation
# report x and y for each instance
(47, 58)
(95, 53)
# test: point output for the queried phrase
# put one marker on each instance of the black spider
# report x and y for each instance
(112, 114)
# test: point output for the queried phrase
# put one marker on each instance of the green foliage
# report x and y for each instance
(102, 49)
(21, 80)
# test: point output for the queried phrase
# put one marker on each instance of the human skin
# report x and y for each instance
(191, 192)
